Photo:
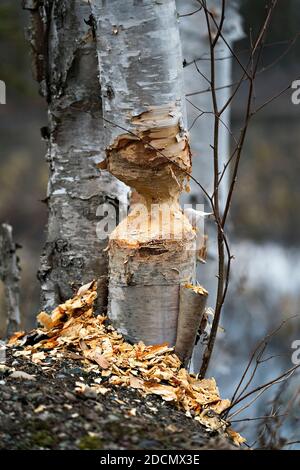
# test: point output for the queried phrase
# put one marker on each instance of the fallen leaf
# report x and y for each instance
(134, 382)
(87, 287)
(131, 412)
(220, 406)
(102, 390)
(101, 361)
(24, 353)
(16, 336)
(83, 345)
(45, 320)
(38, 357)
(165, 391)
(172, 428)
(40, 409)
(236, 437)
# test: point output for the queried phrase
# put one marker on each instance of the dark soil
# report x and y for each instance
(46, 413)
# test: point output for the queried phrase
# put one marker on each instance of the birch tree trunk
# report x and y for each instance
(152, 252)
(64, 55)
(10, 274)
(195, 40)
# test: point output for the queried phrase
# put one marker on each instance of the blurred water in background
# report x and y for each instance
(265, 291)
(265, 287)
(265, 281)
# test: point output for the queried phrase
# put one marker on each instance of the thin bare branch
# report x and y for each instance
(266, 385)
(184, 15)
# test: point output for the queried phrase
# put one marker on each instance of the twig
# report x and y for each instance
(183, 15)
(260, 345)
(263, 387)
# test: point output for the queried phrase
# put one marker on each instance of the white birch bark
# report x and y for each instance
(195, 40)
(139, 54)
(65, 65)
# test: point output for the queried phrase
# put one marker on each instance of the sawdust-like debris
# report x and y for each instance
(73, 330)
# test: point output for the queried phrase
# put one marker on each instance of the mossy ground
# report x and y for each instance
(47, 414)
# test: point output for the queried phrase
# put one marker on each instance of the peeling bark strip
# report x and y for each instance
(140, 65)
(192, 304)
(64, 53)
(10, 274)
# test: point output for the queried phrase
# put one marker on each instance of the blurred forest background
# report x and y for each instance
(265, 214)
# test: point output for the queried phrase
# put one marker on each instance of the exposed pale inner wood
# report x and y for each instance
(152, 251)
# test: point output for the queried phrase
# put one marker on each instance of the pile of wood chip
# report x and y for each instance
(73, 331)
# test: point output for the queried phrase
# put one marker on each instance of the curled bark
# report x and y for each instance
(191, 311)
(10, 274)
